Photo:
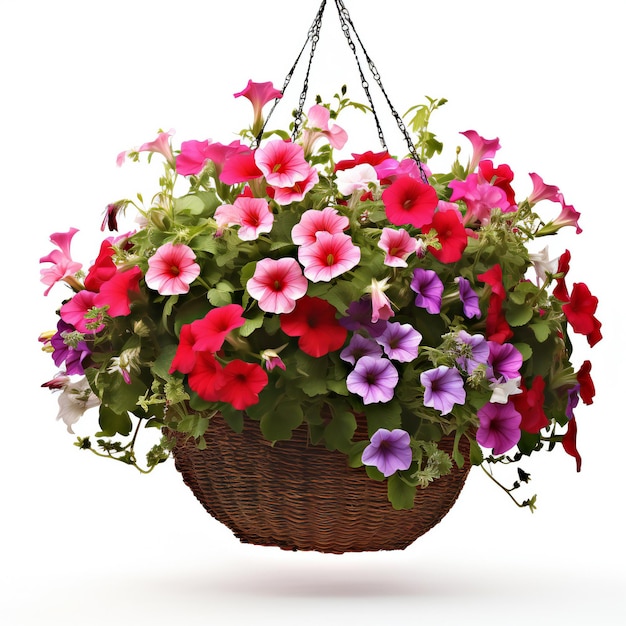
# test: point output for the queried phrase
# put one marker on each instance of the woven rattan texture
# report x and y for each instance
(302, 497)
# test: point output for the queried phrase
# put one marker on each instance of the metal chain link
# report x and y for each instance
(313, 37)
(345, 19)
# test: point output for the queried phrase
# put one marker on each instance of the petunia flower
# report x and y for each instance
(468, 297)
(502, 389)
(499, 427)
(473, 349)
(74, 400)
(171, 269)
(569, 442)
(63, 268)
(259, 94)
(443, 388)
(587, 388)
(359, 317)
(400, 341)
(541, 191)
(314, 321)
(388, 451)
(505, 361)
(360, 346)
(542, 264)
(205, 378)
(277, 284)
(161, 145)
(317, 127)
(252, 215)
(357, 178)
(76, 312)
(374, 379)
(529, 404)
(71, 354)
(579, 312)
(451, 236)
(428, 289)
(501, 177)
(313, 221)
(398, 246)
(115, 293)
(282, 163)
(297, 191)
(329, 256)
(240, 384)
(369, 157)
(481, 198)
(483, 148)
(239, 167)
(409, 201)
(210, 332)
(381, 305)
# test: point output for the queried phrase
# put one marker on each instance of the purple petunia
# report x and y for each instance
(358, 347)
(359, 317)
(400, 342)
(428, 288)
(499, 427)
(72, 356)
(388, 451)
(474, 351)
(374, 379)
(443, 388)
(469, 298)
(505, 361)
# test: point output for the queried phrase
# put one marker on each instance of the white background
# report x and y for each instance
(85, 541)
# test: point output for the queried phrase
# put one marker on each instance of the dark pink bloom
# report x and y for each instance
(193, 157)
(259, 95)
(541, 191)
(62, 265)
(483, 148)
(73, 312)
(239, 167)
(500, 176)
(480, 197)
(499, 427)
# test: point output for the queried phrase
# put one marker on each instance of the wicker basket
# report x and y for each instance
(302, 497)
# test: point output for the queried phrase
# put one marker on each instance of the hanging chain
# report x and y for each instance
(313, 36)
(346, 24)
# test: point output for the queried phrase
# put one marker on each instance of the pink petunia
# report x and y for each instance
(398, 246)
(481, 198)
(63, 268)
(277, 284)
(259, 94)
(297, 191)
(161, 145)
(252, 215)
(328, 220)
(483, 148)
(74, 311)
(282, 163)
(328, 257)
(317, 127)
(172, 269)
(381, 306)
(541, 191)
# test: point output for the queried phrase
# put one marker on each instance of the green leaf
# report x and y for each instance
(195, 425)
(233, 418)
(339, 432)
(112, 423)
(525, 350)
(518, 315)
(399, 493)
(387, 415)
(356, 452)
(541, 330)
(279, 424)
(476, 453)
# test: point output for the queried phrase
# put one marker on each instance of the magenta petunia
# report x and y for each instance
(505, 361)
(443, 388)
(259, 94)
(116, 292)
(329, 256)
(483, 148)
(277, 284)
(389, 451)
(172, 269)
(73, 312)
(499, 427)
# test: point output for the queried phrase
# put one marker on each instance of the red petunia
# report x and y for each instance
(560, 291)
(115, 292)
(314, 321)
(587, 389)
(450, 234)
(102, 269)
(409, 201)
(579, 312)
(206, 377)
(240, 384)
(211, 331)
(497, 328)
(493, 277)
(569, 442)
(500, 176)
(372, 158)
(530, 406)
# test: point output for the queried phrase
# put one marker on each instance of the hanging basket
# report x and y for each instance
(302, 497)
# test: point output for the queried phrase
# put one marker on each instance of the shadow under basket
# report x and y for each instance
(302, 497)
